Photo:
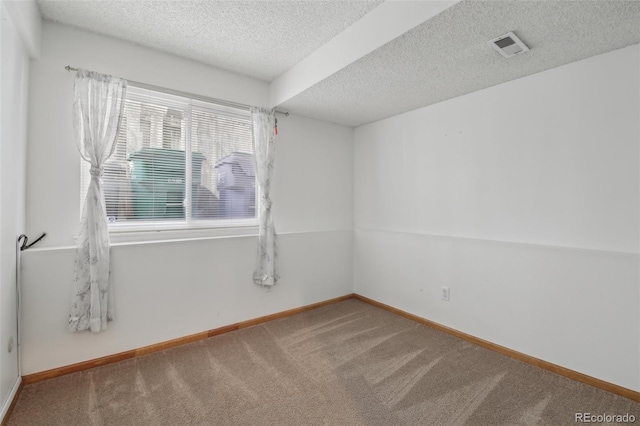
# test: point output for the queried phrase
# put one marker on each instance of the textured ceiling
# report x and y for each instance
(445, 57)
(261, 39)
(448, 55)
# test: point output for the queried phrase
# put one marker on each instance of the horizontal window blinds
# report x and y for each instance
(179, 163)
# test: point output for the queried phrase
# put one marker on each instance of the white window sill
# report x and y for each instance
(125, 234)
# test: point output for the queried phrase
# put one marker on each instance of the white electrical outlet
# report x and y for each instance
(444, 293)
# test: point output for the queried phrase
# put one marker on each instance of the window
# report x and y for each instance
(179, 163)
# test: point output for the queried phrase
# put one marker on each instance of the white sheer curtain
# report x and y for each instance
(97, 112)
(264, 142)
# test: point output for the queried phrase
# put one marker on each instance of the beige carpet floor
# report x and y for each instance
(344, 364)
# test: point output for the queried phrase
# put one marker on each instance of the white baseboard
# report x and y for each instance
(9, 401)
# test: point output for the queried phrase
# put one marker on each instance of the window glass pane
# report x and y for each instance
(145, 178)
(163, 141)
(226, 189)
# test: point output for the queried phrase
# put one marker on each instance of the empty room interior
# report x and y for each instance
(320, 212)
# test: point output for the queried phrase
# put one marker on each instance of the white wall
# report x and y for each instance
(170, 290)
(523, 199)
(166, 290)
(13, 136)
(25, 17)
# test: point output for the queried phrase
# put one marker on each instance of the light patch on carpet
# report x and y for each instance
(231, 380)
(307, 345)
(398, 388)
(453, 408)
(190, 401)
(311, 328)
(312, 334)
(349, 352)
(266, 367)
(141, 388)
(533, 415)
(322, 363)
(300, 352)
(94, 406)
(387, 368)
(354, 334)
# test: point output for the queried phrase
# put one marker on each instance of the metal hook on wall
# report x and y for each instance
(25, 240)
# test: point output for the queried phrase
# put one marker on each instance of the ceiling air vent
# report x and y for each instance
(508, 45)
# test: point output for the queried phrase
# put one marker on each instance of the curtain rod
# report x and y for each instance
(185, 94)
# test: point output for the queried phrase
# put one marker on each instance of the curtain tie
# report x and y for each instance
(96, 171)
(266, 203)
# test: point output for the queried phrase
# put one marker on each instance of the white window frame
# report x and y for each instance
(189, 228)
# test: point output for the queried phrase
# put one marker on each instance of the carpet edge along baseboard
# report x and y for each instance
(554, 368)
(121, 356)
(545, 365)
(12, 404)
